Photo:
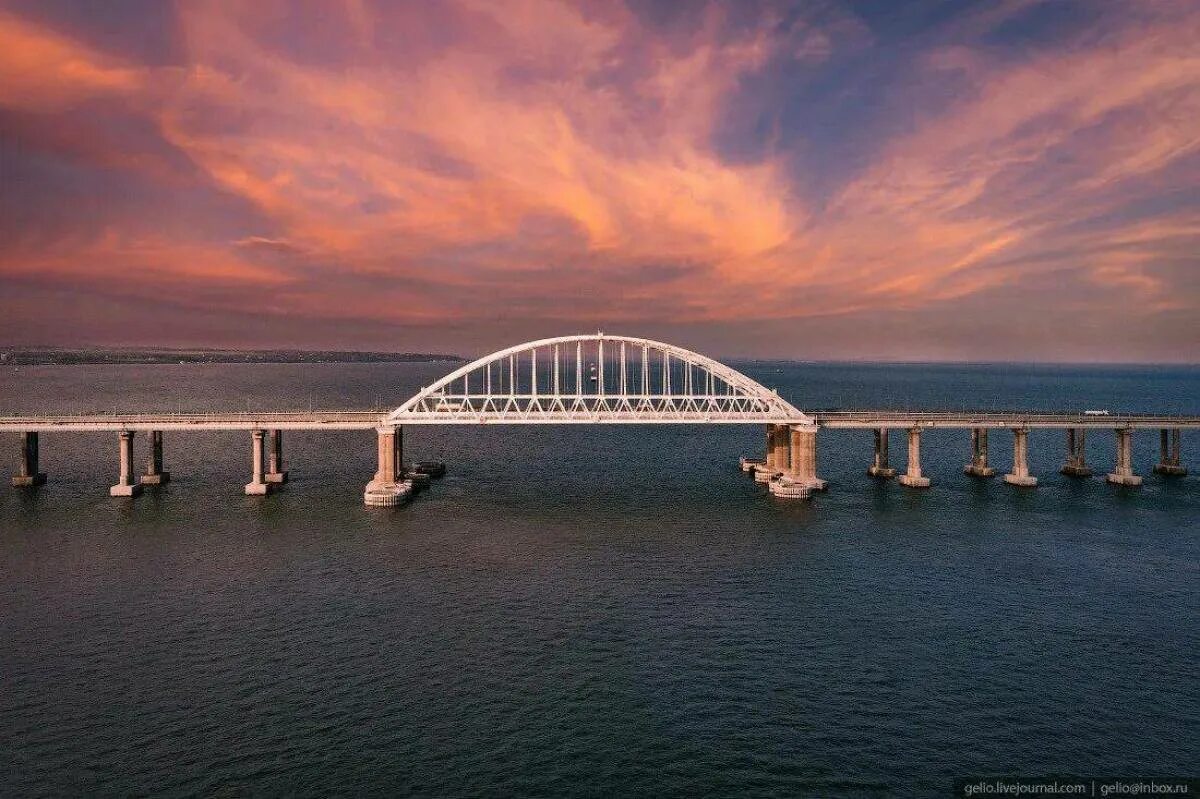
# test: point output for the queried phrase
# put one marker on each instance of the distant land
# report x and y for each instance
(32, 356)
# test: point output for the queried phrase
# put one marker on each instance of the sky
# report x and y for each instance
(929, 180)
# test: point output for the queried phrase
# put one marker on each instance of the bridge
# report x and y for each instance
(607, 379)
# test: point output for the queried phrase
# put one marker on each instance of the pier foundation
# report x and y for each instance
(913, 477)
(386, 488)
(1169, 462)
(1122, 473)
(275, 471)
(28, 474)
(1020, 476)
(155, 476)
(879, 466)
(258, 485)
(1076, 465)
(128, 485)
(978, 467)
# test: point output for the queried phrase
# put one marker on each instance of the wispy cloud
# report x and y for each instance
(409, 163)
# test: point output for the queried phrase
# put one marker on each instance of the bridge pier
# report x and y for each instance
(879, 466)
(155, 476)
(29, 474)
(275, 471)
(258, 485)
(776, 459)
(386, 488)
(1169, 462)
(127, 485)
(1122, 473)
(804, 457)
(913, 477)
(1076, 465)
(1020, 476)
(978, 467)
(782, 449)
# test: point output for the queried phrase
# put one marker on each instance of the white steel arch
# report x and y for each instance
(596, 379)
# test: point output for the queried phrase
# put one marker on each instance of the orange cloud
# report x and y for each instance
(41, 70)
(470, 155)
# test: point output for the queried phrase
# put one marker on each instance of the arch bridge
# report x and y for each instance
(596, 379)
(603, 379)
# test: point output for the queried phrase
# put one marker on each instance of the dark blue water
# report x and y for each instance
(592, 612)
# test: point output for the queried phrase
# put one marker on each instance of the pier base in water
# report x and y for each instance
(387, 495)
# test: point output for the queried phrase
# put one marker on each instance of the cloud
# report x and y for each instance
(423, 162)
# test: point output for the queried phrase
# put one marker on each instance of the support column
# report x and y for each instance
(1123, 474)
(803, 457)
(275, 471)
(783, 459)
(776, 459)
(879, 466)
(29, 474)
(913, 476)
(1019, 476)
(1076, 465)
(386, 489)
(155, 475)
(770, 457)
(1169, 461)
(978, 467)
(258, 486)
(127, 484)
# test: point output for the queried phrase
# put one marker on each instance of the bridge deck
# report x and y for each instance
(250, 420)
(998, 419)
(366, 420)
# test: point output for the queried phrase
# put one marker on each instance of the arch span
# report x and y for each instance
(596, 379)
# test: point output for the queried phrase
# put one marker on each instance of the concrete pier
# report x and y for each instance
(1076, 465)
(879, 466)
(1169, 462)
(275, 471)
(769, 459)
(127, 485)
(978, 467)
(29, 474)
(783, 457)
(258, 485)
(913, 477)
(1020, 476)
(155, 476)
(386, 488)
(803, 457)
(775, 460)
(1122, 473)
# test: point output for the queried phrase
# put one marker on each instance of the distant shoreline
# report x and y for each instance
(47, 356)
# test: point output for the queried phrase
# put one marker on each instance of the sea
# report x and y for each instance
(610, 611)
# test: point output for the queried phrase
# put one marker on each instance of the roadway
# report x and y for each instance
(367, 420)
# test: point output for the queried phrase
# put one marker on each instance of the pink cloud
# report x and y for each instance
(468, 155)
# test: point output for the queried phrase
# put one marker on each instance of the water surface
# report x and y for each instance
(592, 612)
